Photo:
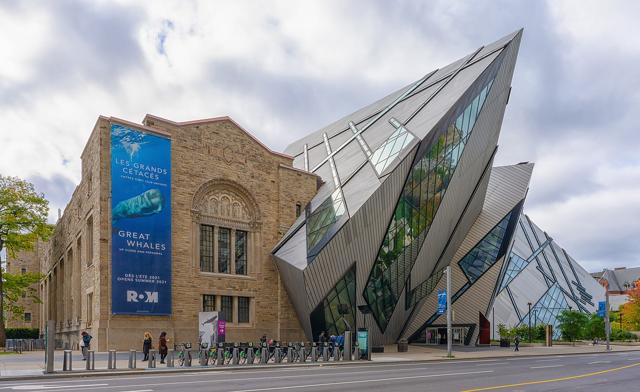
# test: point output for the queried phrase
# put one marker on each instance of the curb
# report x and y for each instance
(144, 371)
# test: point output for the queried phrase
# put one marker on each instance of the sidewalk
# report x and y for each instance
(30, 364)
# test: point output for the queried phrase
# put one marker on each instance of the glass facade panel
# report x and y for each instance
(390, 149)
(206, 248)
(547, 310)
(516, 264)
(432, 171)
(325, 317)
(485, 253)
(241, 252)
(224, 249)
(321, 220)
(424, 289)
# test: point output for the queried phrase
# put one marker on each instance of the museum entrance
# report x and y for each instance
(438, 335)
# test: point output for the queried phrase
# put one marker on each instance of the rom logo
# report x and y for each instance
(146, 296)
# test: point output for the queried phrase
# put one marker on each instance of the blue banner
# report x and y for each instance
(442, 301)
(140, 222)
(602, 305)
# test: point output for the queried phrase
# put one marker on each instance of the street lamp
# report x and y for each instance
(529, 304)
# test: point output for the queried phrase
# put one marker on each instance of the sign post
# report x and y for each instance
(448, 296)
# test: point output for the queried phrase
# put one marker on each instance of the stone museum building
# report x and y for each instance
(23, 262)
(232, 199)
(362, 216)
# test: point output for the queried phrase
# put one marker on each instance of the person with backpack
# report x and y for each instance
(516, 341)
(85, 344)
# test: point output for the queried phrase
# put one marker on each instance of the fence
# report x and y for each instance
(19, 345)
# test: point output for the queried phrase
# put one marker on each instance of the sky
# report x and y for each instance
(286, 68)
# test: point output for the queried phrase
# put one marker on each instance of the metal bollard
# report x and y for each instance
(325, 351)
(264, 354)
(202, 357)
(67, 361)
(314, 352)
(277, 357)
(132, 359)
(290, 353)
(111, 362)
(151, 364)
(220, 358)
(302, 353)
(91, 360)
(170, 358)
(356, 350)
(235, 354)
(346, 352)
(187, 358)
(251, 356)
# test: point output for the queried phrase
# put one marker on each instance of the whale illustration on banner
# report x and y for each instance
(147, 203)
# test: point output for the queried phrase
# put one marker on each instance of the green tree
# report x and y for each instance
(572, 324)
(594, 327)
(23, 220)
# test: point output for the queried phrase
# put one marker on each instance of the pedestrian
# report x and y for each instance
(321, 337)
(163, 349)
(263, 339)
(146, 345)
(517, 343)
(85, 344)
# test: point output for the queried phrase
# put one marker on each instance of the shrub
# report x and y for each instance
(23, 333)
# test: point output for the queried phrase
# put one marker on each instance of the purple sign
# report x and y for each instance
(222, 327)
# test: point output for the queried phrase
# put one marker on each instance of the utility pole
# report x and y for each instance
(449, 336)
(529, 304)
(607, 322)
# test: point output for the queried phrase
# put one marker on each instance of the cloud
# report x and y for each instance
(287, 68)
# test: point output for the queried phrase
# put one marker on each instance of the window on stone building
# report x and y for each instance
(241, 252)
(243, 309)
(224, 249)
(89, 309)
(27, 317)
(23, 270)
(226, 308)
(89, 244)
(206, 248)
(79, 250)
(208, 303)
(298, 209)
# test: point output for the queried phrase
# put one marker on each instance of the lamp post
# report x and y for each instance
(529, 304)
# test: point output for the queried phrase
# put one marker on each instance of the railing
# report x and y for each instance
(20, 345)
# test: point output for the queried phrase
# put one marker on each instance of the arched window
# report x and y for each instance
(226, 222)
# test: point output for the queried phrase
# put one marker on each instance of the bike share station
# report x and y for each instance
(213, 351)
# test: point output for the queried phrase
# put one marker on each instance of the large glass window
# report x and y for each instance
(321, 220)
(423, 192)
(226, 308)
(391, 148)
(208, 303)
(243, 309)
(547, 309)
(241, 252)
(224, 249)
(206, 248)
(485, 253)
(516, 264)
(327, 315)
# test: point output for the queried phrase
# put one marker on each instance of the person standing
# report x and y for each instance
(85, 344)
(146, 345)
(517, 343)
(163, 349)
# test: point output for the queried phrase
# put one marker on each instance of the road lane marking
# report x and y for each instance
(552, 379)
(594, 362)
(545, 367)
(492, 364)
(358, 381)
(547, 360)
(33, 387)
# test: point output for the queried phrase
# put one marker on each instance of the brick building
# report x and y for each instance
(232, 199)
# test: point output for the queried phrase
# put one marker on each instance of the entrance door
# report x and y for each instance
(484, 337)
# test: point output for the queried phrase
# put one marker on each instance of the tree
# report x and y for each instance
(594, 327)
(572, 324)
(14, 287)
(23, 220)
(631, 310)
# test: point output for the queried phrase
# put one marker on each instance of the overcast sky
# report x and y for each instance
(284, 69)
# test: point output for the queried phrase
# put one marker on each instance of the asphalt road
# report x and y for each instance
(589, 372)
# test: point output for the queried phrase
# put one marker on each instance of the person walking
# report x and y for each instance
(85, 344)
(516, 341)
(146, 345)
(163, 349)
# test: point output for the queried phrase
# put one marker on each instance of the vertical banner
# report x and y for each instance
(442, 301)
(140, 222)
(208, 328)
